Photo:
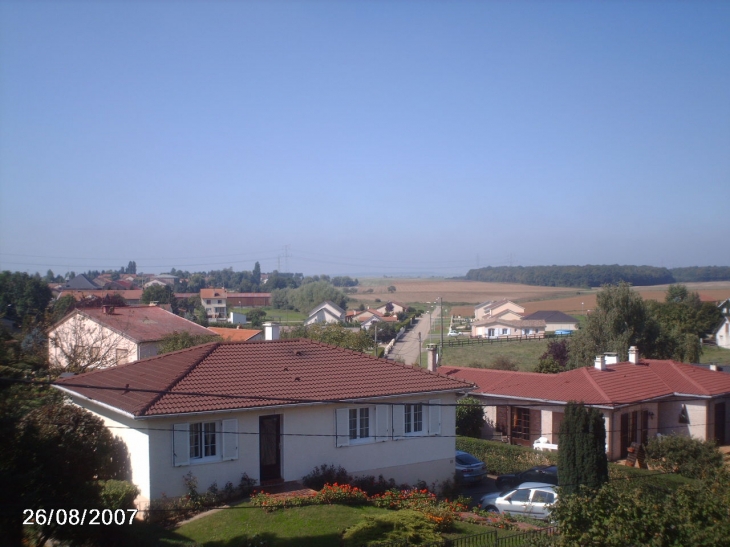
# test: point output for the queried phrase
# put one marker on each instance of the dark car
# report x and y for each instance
(469, 468)
(542, 473)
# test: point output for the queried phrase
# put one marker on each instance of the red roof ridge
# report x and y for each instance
(142, 410)
(592, 381)
(680, 370)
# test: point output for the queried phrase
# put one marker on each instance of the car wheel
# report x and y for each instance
(491, 509)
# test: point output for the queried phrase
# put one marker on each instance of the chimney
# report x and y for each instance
(432, 358)
(611, 358)
(271, 331)
(634, 355)
(600, 362)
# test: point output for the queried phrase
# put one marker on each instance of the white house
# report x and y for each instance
(496, 327)
(215, 302)
(722, 334)
(108, 336)
(554, 320)
(327, 312)
(274, 410)
(638, 398)
(393, 307)
(506, 309)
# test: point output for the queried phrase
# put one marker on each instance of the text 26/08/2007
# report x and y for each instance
(79, 517)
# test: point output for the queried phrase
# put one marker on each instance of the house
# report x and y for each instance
(131, 297)
(501, 308)
(273, 410)
(722, 334)
(109, 336)
(81, 282)
(237, 335)
(554, 320)
(393, 307)
(496, 327)
(167, 279)
(215, 303)
(725, 307)
(327, 312)
(639, 398)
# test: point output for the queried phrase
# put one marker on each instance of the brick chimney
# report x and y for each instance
(432, 357)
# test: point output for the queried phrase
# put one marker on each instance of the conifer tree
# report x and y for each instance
(582, 455)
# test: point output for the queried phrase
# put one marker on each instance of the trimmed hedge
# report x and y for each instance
(505, 458)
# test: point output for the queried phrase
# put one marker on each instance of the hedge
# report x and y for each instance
(505, 458)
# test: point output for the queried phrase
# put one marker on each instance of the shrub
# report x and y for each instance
(326, 474)
(469, 417)
(118, 494)
(246, 485)
(343, 494)
(505, 458)
(686, 456)
(373, 486)
(409, 527)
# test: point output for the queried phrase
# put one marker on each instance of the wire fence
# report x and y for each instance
(487, 539)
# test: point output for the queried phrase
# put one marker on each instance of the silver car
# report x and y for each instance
(469, 468)
(531, 499)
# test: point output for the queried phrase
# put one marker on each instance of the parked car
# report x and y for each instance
(542, 473)
(453, 333)
(469, 468)
(532, 499)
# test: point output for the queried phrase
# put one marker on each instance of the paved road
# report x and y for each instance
(407, 348)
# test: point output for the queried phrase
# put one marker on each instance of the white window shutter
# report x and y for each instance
(180, 444)
(382, 432)
(342, 427)
(399, 420)
(434, 417)
(230, 440)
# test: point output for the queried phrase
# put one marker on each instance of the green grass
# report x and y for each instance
(714, 354)
(280, 316)
(526, 353)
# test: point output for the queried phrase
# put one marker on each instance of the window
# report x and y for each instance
(202, 440)
(684, 415)
(521, 423)
(359, 423)
(522, 496)
(540, 496)
(207, 301)
(490, 332)
(414, 418)
(505, 331)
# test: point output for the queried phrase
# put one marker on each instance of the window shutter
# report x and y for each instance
(434, 417)
(399, 420)
(230, 440)
(342, 427)
(381, 423)
(180, 444)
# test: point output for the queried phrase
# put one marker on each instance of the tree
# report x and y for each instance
(256, 316)
(582, 456)
(256, 274)
(555, 359)
(469, 417)
(335, 335)
(391, 289)
(162, 294)
(183, 340)
(131, 267)
(23, 297)
(503, 362)
(311, 295)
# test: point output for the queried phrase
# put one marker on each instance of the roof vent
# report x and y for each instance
(297, 379)
(298, 353)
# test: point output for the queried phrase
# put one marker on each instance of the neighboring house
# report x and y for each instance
(496, 327)
(215, 303)
(287, 406)
(506, 309)
(167, 279)
(722, 334)
(132, 297)
(395, 307)
(725, 307)
(81, 283)
(237, 335)
(109, 336)
(639, 399)
(327, 312)
(554, 320)
(368, 314)
(155, 282)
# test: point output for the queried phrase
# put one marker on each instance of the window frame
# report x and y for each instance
(413, 416)
(356, 417)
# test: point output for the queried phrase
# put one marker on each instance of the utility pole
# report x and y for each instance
(376, 339)
(420, 350)
(441, 310)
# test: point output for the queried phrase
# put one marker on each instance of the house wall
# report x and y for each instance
(697, 411)
(79, 330)
(552, 327)
(722, 336)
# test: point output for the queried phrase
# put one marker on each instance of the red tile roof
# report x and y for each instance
(619, 384)
(134, 294)
(213, 293)
(142, 323)
(253, 374)
(235, 335)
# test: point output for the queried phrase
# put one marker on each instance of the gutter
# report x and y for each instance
(103, 405)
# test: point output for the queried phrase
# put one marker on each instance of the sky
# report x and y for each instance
(363, 137)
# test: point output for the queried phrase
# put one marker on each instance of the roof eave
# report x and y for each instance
(115, 409)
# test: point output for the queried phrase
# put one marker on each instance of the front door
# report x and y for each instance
(720, 423)
(270, 447)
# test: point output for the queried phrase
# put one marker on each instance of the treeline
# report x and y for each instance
(596, 275)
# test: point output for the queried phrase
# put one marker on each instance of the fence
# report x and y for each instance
(487, 539)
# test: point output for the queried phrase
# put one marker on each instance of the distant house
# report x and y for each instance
(639, 399)
(554, 320)
(496, 327)
(327, 312)
(506, 309)
(273, 410)
(722, 334)
(370, 316)
(725, 307)
(215, 303)
(109, 336)
(155, 282)
(395, 307)
(167, 279)
(237, 335)
(132, 297)
(81, 283)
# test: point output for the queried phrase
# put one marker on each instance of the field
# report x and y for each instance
(713, 354)
(465, 294)
(525, 353)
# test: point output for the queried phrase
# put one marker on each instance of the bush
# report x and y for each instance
(687, 456)
(118, 494)
(505, 458)
(469, 417)
(326, 474)
(404, 526)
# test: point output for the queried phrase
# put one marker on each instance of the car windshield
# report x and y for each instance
(466, 459)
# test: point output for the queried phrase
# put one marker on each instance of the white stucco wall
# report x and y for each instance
(669, 412)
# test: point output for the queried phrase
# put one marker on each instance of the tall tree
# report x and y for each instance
(162, 294)
(256, 274)
(23, 297)
(582, 456)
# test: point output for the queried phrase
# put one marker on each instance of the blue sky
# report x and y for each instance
(397, 137)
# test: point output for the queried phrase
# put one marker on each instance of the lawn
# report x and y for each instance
(526, 353)
(714, 354)
(280, 316)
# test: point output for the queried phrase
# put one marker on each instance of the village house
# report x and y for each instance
(497, 327)
(109, 336)
(273, 410)
(506, 309)
(327, 312)
(392, 307)
(639, 398)
(554, 320)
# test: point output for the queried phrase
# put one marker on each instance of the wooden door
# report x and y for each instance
(270, 447)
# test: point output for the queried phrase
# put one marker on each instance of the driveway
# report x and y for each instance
(407, 348)
(476, 491)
